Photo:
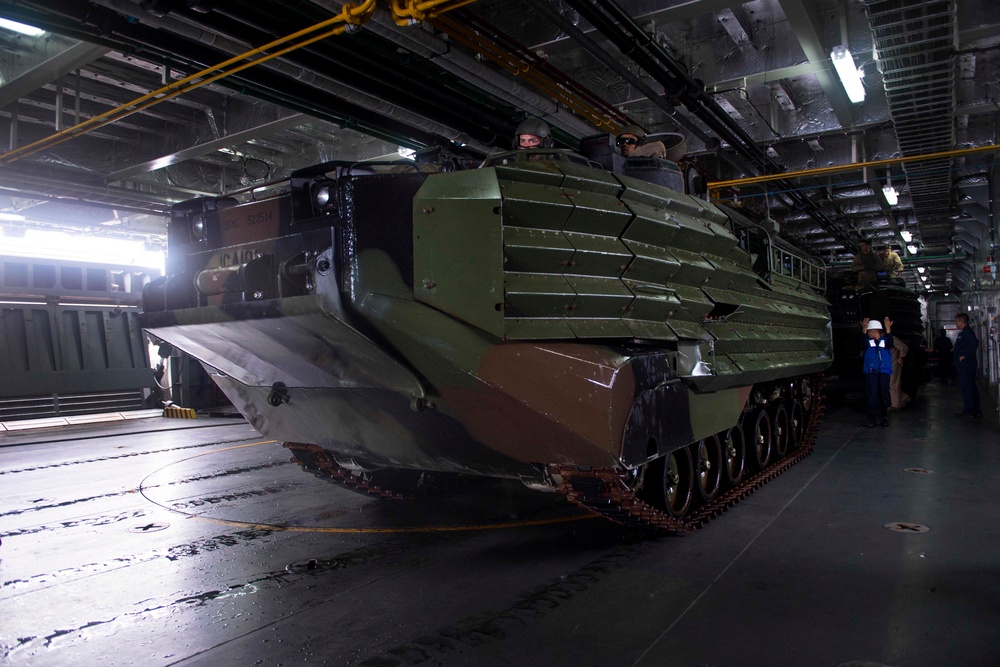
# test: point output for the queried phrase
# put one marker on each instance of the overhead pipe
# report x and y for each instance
(632, 41)
(455, 62)
(594, 49)
(247, 19)
(545, 68)
(406, 12)
(354, 64)
(692, 93)
(824, 171)
(518, 67)
(374, 107)
(929, 260)
(350, 15)
(369, 121)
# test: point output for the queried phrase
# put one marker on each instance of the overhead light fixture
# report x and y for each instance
(921, 269)
(923, 277)
(912, 249)
(891, 196)
(22, 28)
(906, 235)
(11, 217)
(850, 75)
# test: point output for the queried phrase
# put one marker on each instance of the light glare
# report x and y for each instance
(44, 244)
(891, 196)
(22, 28)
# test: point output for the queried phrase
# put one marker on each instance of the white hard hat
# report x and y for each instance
(874, 325)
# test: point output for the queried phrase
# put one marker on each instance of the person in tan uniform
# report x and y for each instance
(891, 263)
(632, 142)
(897, 397)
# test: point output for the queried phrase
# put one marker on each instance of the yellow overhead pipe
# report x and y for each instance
(519, 68)
(351, 14)
(822, 171)
(407, 12)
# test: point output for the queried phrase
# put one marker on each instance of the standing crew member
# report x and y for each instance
(877, 369)
(891, 262)
(866, 264)
(900, 399)
(965, 366)
(943, 352)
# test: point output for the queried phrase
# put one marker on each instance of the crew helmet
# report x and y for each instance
(637, 131)
(874, 325)
(538, 128)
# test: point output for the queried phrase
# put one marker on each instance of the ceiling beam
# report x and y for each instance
(51, 70)
(199, 150)
(772, 75)
(808, 32)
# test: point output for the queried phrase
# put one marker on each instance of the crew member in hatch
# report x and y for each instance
(532, 133)
(632, 143)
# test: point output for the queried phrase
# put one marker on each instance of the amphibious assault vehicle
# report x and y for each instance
(537, 318)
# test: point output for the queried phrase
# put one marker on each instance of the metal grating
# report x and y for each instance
(916, 44)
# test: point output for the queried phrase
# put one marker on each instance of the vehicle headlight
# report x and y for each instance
(199, 228)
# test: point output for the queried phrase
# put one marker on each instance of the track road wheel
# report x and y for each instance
(734, 454)
(780, 424)
(760, 439)
(678, 480)
(708, 467)
(668, 483)
(797, 424)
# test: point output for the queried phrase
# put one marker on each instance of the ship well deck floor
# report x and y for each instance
(196, 542)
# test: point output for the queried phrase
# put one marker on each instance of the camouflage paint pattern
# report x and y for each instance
(490, 321)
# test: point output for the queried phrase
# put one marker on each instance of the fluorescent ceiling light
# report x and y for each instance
(912, 249)
(923, 277)
(906, 235)
(848, 72)
(920, 269)
(12, 217)
(21, 28)
(891, 196)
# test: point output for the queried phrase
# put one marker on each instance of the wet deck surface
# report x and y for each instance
(199, 543)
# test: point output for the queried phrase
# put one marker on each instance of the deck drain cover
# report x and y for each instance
(299, 565)
(906, 527)
(149, 528)
(920, 471)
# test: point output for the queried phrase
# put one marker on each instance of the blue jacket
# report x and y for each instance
(878, 355)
